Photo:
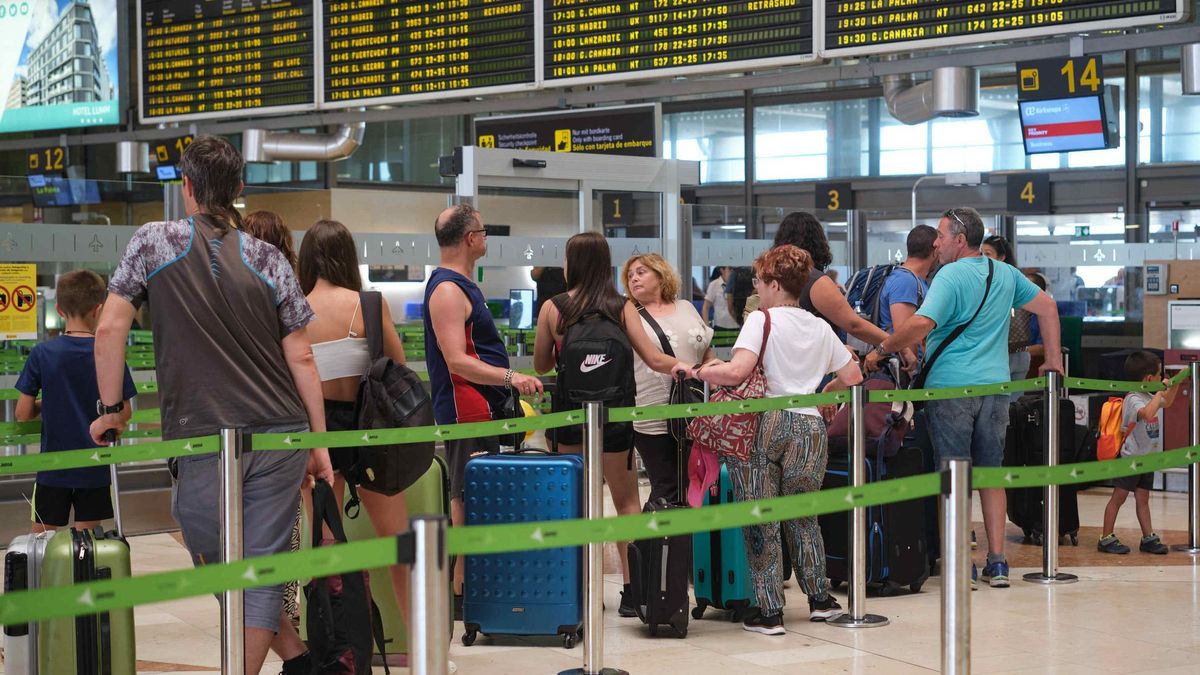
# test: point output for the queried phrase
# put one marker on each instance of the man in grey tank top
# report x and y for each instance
(231, 352)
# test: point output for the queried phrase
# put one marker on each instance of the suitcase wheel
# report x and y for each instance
(915, 588)
(835, 583)
(887, 589)
(653, 630)
(570, 640)
(468, 638)
(680, 631)
(1074, 538)
(698, 612)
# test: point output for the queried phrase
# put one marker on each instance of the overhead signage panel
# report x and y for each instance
(219, 59)
(602, 40)
(632, 131)
(59, 65)
(858, 27)
(379, 51)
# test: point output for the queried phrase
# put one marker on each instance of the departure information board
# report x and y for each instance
(381, 50)
(602, 40)
(217, 59)
(855, 27)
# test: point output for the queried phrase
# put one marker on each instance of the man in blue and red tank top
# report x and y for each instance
(467, 360)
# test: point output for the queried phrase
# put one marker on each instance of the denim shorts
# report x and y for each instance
(969, 428)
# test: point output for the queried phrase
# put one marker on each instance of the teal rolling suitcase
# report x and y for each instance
(721, 571)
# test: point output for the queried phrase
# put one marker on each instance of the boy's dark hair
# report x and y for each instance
(1141, 364)
(78, 292)
(920, 241)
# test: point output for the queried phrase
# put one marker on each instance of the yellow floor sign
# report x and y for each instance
(18, 302)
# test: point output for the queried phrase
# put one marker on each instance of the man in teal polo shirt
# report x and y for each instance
(974, 427)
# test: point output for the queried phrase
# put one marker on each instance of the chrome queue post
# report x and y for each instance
(1193, 543)
(1050, 534)
(856, 592)
(593, 565)
(424, 547)
(956, 567)
(233, 614)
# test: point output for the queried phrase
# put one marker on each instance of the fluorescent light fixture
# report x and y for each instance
(1028, 222)
(734, 227)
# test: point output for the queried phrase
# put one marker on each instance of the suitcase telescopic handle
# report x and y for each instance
(111, 437)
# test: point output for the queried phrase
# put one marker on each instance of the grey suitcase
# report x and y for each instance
(22, 567)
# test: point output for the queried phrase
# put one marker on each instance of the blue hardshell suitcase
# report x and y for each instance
(720, 569)
(528, 592)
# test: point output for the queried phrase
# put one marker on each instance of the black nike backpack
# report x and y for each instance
(595, 364)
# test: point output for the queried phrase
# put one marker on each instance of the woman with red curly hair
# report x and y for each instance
(790, 451)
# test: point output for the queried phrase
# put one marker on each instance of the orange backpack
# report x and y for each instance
(1112, 437)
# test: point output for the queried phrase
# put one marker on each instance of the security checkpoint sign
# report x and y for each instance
(18, 302)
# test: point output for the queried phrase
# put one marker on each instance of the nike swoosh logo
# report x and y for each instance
(585, 368)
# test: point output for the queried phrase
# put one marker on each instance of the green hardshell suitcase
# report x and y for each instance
(99, 644)
(430, 495)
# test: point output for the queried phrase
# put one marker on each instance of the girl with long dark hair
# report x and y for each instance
(591, 290)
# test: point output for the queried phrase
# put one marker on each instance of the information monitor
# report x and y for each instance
(378, 51)
(602, 40)
(856, 27)
(219, 59)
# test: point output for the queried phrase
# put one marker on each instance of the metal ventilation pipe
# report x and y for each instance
(1189, 68)
(133, 157)
(260, 145)
(950, 92)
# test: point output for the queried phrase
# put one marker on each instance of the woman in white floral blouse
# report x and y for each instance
(651, 283)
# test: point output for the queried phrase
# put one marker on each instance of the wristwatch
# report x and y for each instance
(103, 410)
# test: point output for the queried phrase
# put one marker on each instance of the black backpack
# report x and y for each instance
(390, 395)
(595, 364)
(342, 617)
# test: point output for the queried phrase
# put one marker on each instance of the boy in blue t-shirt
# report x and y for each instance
(63, 370)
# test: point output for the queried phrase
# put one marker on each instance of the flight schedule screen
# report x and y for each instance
(211, 59)
(602, 39)
(871, 26)
(382, 49)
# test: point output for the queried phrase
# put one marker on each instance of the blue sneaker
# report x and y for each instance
(974, 576)
(996, 574)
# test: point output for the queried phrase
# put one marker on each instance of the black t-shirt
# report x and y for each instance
(549, 284)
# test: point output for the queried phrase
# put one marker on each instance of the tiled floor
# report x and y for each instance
(1141, 615)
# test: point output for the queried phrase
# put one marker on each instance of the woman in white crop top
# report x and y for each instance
(790, 452)
(330, 278)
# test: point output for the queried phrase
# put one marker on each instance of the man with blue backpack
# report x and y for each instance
(888, 295)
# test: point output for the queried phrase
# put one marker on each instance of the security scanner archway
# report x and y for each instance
(590, 177)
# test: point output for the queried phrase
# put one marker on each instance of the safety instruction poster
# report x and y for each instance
(18, 302)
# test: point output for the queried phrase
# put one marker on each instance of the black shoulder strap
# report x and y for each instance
(662, 337)
(372, 313)
(919, 380)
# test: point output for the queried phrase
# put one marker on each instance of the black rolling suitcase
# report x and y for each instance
(659, 568)
(897, 546)
(1025, 446)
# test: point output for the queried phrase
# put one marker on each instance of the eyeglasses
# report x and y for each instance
(482, 229)
(755, 281)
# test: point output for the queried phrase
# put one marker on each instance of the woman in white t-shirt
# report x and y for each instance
(790, 451)
(653, 286)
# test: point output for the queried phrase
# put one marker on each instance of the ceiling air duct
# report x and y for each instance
(1189, 68)
(951, 92)
(260, 145)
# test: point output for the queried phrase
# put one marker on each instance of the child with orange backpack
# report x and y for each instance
(1140, 433)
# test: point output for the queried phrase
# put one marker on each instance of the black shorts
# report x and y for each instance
(52, 505)
(1144, 481)
(459, 452)
(339, 416)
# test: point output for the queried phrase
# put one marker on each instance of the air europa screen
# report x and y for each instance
(1062, 125)
(213, 59)
(872, 26)
(376, 50)
(606, 40)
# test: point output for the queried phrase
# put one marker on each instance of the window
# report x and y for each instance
(715, 138)
(791, 142)
(403, 151)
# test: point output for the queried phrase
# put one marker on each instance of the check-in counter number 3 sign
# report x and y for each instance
(834, 196)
